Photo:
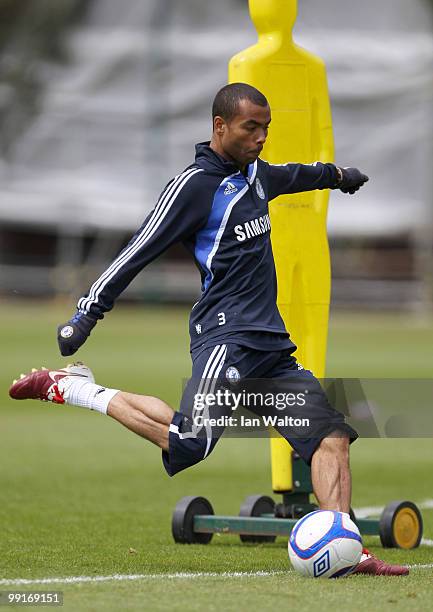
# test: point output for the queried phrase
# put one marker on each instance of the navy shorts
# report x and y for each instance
(217, 367)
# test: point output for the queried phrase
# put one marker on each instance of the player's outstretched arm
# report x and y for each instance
(296, 178)
(177, 215)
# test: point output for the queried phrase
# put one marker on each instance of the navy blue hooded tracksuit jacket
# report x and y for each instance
(221, 215)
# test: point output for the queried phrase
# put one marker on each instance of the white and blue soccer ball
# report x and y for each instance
(325, 544)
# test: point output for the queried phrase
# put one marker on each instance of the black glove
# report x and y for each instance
(74, 333)
(350, 180)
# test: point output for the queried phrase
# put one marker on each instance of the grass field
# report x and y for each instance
(80, 496)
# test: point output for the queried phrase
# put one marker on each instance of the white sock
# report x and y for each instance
(79, 391)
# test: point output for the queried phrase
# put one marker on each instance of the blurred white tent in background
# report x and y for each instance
(122, 117)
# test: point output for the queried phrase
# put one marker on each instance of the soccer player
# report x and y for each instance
(218, 208)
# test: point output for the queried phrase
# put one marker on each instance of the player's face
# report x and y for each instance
(243, 137)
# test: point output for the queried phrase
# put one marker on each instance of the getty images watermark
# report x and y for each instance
(301, 406)
(229, 400)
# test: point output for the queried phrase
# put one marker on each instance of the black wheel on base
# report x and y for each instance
(256, 505)
(400, 525)
(182, 524)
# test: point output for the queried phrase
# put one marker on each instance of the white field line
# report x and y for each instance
(366, 511)
(426, 542)
(176, 576)
(121, 577)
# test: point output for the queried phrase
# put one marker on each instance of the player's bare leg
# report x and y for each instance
(330, 474)
(147, 416)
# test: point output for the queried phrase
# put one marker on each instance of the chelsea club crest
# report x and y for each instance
(232, 374)
(259, 189)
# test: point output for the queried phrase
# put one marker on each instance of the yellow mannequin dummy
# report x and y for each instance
(294, 82)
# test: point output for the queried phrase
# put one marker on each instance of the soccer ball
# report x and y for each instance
(325, 544)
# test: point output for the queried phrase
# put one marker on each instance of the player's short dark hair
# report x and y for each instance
(227, 100)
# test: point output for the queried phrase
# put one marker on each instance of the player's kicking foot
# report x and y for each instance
(373, 566)
(49, 385)
(73, 385)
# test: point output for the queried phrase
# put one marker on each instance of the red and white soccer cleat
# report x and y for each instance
(48, 385)
(373, 566)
